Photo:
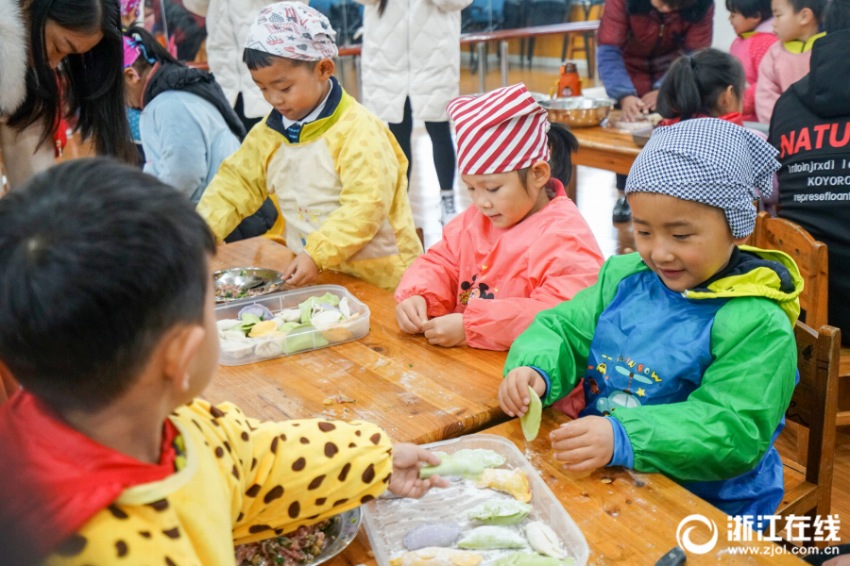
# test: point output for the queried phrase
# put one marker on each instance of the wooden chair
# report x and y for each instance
(808, 483)
(810, 256)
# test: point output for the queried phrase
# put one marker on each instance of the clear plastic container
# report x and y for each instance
(387, 520)
(298, 340)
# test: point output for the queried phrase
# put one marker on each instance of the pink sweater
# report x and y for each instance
(750, 50)
(499, 278)
(779, 69)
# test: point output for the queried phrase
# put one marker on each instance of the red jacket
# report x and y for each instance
(648, 42)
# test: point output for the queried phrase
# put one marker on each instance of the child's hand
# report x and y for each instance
(584, 444)
(411, 314)
(513, 392)
(445, 330)
(649, 99)
(407, 459)
(633, 108)
(302, 270)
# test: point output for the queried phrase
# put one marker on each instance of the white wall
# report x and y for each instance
(723, 33)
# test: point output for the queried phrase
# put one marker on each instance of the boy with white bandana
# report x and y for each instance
(686, 347)
(338, 172)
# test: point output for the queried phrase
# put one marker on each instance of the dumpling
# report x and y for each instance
(489, 538)
(268, 349)
(543, 539)
(432, 534)
(467, 463)
(530, 559)
(530, 421)
(513, 482)
(437, 557)
(500, 512)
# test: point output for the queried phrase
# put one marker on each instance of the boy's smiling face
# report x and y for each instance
(683, 242)
(293, 88)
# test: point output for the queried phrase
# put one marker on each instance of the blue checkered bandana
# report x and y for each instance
(711, 161)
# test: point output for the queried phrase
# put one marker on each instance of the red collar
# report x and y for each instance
(53, 479)
(734, 117)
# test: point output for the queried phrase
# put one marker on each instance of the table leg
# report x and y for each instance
(482, 66)
(503, 48)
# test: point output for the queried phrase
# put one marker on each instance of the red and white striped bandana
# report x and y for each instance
(501, 131)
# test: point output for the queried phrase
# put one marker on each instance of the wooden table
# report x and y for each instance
(602, 148)
(417, 392)
(627, 518)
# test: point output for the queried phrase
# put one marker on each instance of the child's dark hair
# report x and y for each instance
(694, 84)
(751, 8)
(93, 83)
(256, 59)
(562, 144)
(97, 261)
(151, 52)
(816, 6)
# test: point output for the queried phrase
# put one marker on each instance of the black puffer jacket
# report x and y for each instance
(811, 129)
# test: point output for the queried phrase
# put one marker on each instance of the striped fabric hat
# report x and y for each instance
(500, 131)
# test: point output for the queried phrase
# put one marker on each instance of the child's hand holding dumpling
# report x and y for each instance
(407, 459)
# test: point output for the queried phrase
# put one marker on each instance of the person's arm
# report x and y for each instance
(560, 266)
(368, 190)
(743, 395)
(299, 472)
(557, 343)
(239, 188)
(451, 5)
(768, 88)
(434, 275)
(611, 38)
(173, 141)
(199, 7)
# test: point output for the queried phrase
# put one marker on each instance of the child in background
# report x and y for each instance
(709, 83)
(521, 247)
(797, 25)
(129, 12)
(338, 173)
(751, 20)
(686, 347)
(186, 125)
(108, 454)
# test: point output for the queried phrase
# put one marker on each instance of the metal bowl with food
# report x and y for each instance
(303, 547)
(578, 111)
(245, 282)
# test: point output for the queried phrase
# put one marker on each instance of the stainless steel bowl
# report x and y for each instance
(578, 111)
(245, 282)
(343, 529)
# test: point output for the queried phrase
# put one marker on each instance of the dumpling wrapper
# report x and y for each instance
(467, 463)
(543, 539)
(432, 556)
(491, 538)
(500, 512)
(444, 533)
(530, 421)
(531, 559)
(512, 482)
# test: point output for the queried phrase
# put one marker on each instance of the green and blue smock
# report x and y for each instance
(695, 384)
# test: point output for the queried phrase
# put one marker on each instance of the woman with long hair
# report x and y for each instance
(60, 58)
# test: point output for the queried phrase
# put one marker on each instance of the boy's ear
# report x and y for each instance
(326, 68)
(131, 75)
(179, 348)
(806, 16)
(540, 173)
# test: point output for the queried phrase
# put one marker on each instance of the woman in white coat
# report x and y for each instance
(411, 69)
